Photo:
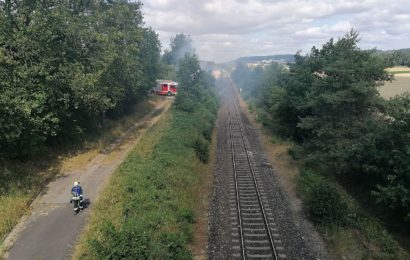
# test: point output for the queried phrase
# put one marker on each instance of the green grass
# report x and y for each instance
(147, 210)
(361, 236)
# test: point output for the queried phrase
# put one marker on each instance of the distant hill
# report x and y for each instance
(283, 58)
(279, 57)
(405, 50)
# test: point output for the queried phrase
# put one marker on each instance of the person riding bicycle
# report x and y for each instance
(77, 192)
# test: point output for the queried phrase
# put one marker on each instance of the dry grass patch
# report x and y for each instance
(398, 68)
(399, 85)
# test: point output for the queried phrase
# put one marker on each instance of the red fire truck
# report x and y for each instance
(165, 87)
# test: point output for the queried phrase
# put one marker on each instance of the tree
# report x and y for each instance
(63, 64)
(329, 95)
(180, 45)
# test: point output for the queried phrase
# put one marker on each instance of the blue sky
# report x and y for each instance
(223, 30)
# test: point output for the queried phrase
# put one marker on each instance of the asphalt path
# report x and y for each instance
(52, 229)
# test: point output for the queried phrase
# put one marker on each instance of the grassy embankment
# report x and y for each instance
(151, 203)
(21, 181)
(351, 232)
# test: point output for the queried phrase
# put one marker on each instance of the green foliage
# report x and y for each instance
(129, 243)
(201, 148)
(196, 93)
(399, 57)
(65, 64)
(133, 242)
(260, 86)
(326, 206)
(328, 104)
(342, 222)
(181, 45)
(154, 185)
(324, 203)
(186, 216)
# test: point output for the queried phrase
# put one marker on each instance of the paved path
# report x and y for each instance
(51, 231)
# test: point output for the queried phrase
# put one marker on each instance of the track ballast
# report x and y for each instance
(254, 232)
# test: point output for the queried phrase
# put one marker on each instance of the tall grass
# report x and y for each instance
(147, 210)
(20, 183)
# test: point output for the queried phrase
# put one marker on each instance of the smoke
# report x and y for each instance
(185, 48)
(181, 45)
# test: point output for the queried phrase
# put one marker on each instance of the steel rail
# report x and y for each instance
(266, 223)
(236, 188)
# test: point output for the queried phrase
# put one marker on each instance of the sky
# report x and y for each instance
(223, 30)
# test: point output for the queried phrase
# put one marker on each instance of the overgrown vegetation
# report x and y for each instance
(399, 57)
(328, 104)
(348, 229)
(146, 212)
(65, 65)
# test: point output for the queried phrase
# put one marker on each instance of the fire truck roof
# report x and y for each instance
(167, 81)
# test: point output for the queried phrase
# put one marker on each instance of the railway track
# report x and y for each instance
(253, 229)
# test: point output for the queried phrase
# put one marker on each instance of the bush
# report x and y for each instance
(207, 132)
(175, 245)
(201, 148)
(186, 216)
(326, 206)
(128, 243)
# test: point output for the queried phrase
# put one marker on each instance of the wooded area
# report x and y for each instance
(328, 104)
(66, 65)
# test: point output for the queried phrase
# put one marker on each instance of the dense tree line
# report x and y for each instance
(395, 58)
(65, 64)
(328, 103)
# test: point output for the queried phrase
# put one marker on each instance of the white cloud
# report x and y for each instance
(226, 29)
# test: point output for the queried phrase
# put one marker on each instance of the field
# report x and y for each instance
(400, 84)
(398, 69)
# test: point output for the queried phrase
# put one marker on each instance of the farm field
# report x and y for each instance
(398, 69)
(399, 85)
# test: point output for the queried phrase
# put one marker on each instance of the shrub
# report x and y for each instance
(201, 148)
(326, 206)
(186, 216)
(175, 245)
(128, 243)
(207, 132)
